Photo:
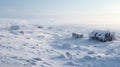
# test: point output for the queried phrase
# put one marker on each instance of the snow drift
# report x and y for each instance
(54, 47)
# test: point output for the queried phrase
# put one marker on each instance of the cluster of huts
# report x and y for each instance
(99, 35)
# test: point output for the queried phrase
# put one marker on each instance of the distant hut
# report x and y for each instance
(40, 27)
(101, 35)
(14, 27)
(77, 35)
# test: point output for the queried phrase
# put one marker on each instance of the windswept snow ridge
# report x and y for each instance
(39, 46)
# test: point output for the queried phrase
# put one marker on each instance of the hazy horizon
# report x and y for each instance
(60, 11)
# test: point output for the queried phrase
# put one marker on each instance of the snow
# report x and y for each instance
(55, 47)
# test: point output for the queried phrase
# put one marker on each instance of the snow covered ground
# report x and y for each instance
(54, 47)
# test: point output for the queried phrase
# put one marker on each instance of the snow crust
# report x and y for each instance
(54, 47)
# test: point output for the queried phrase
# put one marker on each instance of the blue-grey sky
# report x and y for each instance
(60, 11)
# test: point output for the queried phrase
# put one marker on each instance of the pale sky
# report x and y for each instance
(60, 11)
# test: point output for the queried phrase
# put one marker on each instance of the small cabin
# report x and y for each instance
(77, 35)
(40, 27)
(14, 27)
(102, 35)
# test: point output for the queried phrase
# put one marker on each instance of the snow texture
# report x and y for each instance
(53, 46)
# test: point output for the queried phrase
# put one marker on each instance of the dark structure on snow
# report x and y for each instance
(101, 35)
(77, 35)
(14, 27)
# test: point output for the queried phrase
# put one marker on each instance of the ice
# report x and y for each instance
(53, 46)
